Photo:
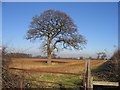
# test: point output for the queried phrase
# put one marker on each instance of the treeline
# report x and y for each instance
(19, 55)
(7, 54)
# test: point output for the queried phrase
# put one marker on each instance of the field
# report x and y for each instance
(74, 66)
(58, 65)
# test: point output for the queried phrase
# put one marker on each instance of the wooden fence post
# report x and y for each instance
(21, 84)
(22, 80)
(91, 86)
(88, 80)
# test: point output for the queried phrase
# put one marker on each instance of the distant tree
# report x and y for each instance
(5, 60)
(55, 27)
(98, 55)
(20, 55)
(90, 57)
(4, 51)
(38, 56)
(81, 57)
(101, 55)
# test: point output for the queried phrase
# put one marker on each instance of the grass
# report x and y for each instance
(71, 66)
(58, 78)
(105, 72)
(74, 66)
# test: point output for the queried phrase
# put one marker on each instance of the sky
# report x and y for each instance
(0, 24)
(97, 21)
(60, 0)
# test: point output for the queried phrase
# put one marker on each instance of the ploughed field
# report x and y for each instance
(38, 79)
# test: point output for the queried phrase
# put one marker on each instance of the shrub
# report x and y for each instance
(110, 70)
(9, 79)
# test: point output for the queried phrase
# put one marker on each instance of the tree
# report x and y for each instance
(101, 55)
(90, 57)
(55, 27)
(81, 57)
(98, 55)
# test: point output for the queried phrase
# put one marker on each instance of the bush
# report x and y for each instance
(9, 79)
(110, 70)
(116, 59)
(106, 72)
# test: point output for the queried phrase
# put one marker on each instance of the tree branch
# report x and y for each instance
(57, 41)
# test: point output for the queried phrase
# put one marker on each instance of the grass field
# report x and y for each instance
(74, 66)
(58, 65)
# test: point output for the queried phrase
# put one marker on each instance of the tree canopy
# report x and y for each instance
(55, 27)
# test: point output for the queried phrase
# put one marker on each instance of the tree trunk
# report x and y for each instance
(49, 52)
(49, 59)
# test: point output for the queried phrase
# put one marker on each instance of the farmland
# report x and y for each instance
(74, 66)
(58, 65)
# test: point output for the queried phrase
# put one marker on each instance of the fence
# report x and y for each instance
(88, 82)
(39, 71)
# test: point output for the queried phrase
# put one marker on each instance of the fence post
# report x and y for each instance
(91, 86)
(21, 84)
(22, 81)
(88, 82)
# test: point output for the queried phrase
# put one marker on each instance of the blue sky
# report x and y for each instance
(60, 0)
(98, 22)
(0, 23)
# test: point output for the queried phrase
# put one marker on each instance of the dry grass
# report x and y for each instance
(69, 65)
(58, 65)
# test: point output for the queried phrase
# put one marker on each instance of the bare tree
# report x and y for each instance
(101, 55)
(55, 27)
(98, 55)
